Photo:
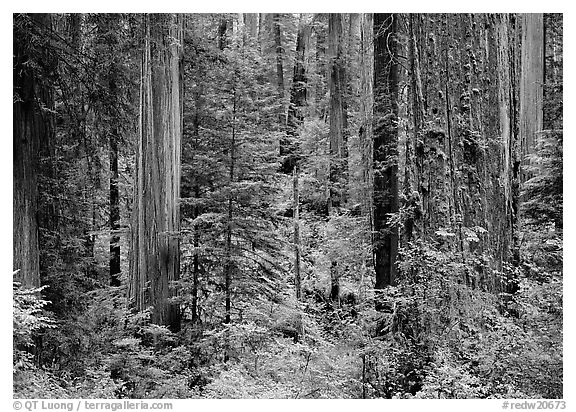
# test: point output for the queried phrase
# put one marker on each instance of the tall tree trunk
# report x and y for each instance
(297, 246)
(260, 34)
(290, 146)
(111, 24)
(418, 115)
(455, 213)
(229, 266)
(285, 147)
(196, 260)
(222, 32)
(366, 106)
(198, 106)
(553, 80)
(531, 81)
(31, 129)
(251, 22)
(320, 89)
(279, 53)
(295, 119)
(114, 209)
(155, 257)
(87, 153)
(338, 132)
(338, 115)
(511, 169)
(385, 148)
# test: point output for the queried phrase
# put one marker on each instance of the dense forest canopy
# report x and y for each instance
(274, 205)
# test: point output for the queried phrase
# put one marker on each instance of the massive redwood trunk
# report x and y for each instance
(155, 258)
(32, 128)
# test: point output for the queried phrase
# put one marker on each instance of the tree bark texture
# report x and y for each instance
(296, 108)
(385, 127)
(229, 265)
(338, 132)
(464, 119)
(109, 25)
(531, 82)
(279, 53)
(290, 147)
(32, 128)
(338, 114)
(553, 71)
(297, 244)
(511, 176)
(366, 107)
(320, 32)
(156, 218)
(114, 212)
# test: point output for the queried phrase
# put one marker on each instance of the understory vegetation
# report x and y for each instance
(439, 338)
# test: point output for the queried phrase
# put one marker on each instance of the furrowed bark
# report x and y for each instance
(385, 148)
(155, 255)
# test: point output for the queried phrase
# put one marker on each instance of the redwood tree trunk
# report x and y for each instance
(155, 258)
(338, 129)
(338, 114)
(110, 25)
(289, 147)
(31, 128)
(279, 53)
(385, 148)
(531, 80)
(114, 211)
(295, 117)
(366, 107)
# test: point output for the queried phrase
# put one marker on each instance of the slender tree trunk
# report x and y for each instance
(290, 146)
(295, 118)
(108, 38)
(418, 115)
(297, 245)
(114, 210)
(196, 211)
(155, 255)
(366, 107)
(260, 29)
(229, 266)
(338, 133)
(285, 146)
(279, 53)
(196, 261)
(385, 148)
(338, 115)
(222, 33)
